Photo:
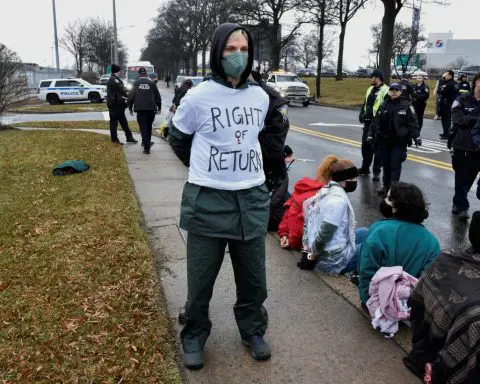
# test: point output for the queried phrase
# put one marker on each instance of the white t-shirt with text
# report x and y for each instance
(225, 123)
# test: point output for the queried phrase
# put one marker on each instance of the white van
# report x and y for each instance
(57, 91)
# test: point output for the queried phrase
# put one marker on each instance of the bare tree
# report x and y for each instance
(13, 84)
(75, 41)
(270, 13)
(459, 62)
(391, 10)
(345, 11)
(307, 52)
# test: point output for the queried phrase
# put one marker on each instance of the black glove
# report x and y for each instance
(369, 139)
(361, 119)
(306, 264)
(418, 142)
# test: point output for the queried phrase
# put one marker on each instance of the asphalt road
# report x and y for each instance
(319, 131)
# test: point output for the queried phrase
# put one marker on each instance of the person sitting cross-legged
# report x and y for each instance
(398, 240)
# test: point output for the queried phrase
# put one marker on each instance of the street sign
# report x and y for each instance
(402, 60)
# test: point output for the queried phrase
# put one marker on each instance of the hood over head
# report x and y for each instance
(219, 40)
(306, 185)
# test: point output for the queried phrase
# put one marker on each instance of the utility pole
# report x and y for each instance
(56, 37)
(115, 45)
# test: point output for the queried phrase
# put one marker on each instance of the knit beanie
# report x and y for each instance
(115, 68)
(474, 231)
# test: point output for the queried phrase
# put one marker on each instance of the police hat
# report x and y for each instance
(142, 72)
(396, 86)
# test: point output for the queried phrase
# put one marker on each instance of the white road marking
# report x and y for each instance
(305, 160)
(106, 116)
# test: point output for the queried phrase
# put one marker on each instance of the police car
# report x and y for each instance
(290, 86)
(57, 91)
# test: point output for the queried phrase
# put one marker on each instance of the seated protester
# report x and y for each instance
(279, 193)
(291, 226)
(445, 317)
(329, 236)
(400, 240)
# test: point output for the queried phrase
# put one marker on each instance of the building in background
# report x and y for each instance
(35, 74)
(443, 51)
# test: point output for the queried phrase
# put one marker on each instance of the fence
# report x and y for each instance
(35, 74)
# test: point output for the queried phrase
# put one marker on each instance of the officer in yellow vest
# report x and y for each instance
(375, 96)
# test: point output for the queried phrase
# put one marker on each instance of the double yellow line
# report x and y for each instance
(417, 159)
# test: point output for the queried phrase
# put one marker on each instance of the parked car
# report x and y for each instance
(330, 72)
(290, 86)
(306, 72)
(181, 78)
(57, 91)
(410, 72)
(469, 70)
(363, 72)
(103, 79)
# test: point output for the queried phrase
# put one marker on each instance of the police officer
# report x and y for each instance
(407, 88)
(373, 99)
(447, 92)
(421, 93)
(393, 129)
(154, 77)
(463, 84)
(116, 102)
(465, 151)
(145, 99)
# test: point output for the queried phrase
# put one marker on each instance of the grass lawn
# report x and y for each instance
(87, 124)
(61, 108)
(351, 92)
(79, 302)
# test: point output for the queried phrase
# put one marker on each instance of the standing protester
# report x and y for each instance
(463, 84)
(180, 93)
(465, 151)
(116, 102)
(407, 88)
(392, 131)
(145, 99)
(167, 80)
(373, 99)
(421, 93)
(447, 92)
(154, 77)
(225, 201)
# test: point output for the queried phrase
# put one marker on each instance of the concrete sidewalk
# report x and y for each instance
(316, 336)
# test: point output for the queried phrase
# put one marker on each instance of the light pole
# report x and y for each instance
(56, 37)
(115, 45)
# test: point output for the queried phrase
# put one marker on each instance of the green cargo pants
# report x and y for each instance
(204, 259)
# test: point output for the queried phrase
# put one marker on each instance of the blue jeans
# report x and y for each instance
(360, 236)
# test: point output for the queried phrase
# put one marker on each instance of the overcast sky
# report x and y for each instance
(26, 25)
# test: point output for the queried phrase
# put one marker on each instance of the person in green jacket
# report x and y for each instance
(400, 239)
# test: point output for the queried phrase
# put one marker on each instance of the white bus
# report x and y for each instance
(132, 71)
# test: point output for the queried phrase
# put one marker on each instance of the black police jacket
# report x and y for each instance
(447, 92)
(116, 93)
(421, 93)
(465, 113)
(407, 90)
(395, 123)
(463, 88)
(144, 96)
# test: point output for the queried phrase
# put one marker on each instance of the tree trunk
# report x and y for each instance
(386, 42)
(276, 48)
(341, 47)
(195, 63)
(320, 52)
(204, 61)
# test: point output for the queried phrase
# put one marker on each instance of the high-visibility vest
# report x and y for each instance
(383, 91)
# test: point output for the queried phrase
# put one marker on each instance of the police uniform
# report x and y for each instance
(446, 94)
(116, 102)
(466, 153)
(407, 90)
(421, 93)
(145, 99)
(373, 99)
(215, 131)
(392, 131)
(463, 87)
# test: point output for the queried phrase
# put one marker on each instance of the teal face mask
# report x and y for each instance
(235, 64)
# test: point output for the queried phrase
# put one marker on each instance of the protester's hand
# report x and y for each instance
(418, 142)
(284, 242)
(159, 112)
(131, 113)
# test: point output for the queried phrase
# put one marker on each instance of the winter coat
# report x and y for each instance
(407, 90)
(465, 113)
(446, 93)
(293, 220)
(116, 93)
(279, 196)
(179, 94)
(394, 242)
(396, 123)
(421, 93)
(144, 96)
